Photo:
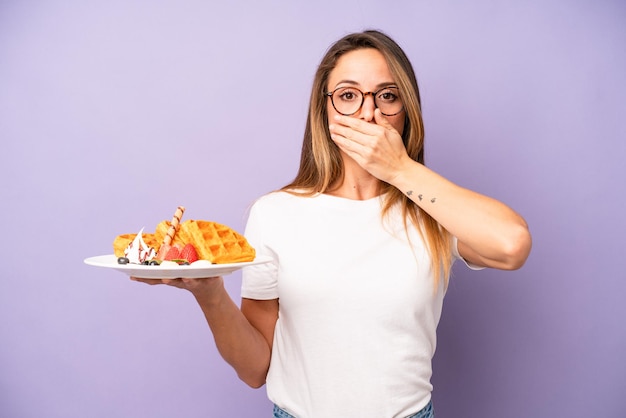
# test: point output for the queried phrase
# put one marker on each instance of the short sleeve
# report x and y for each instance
(260, 281)
(457, 255)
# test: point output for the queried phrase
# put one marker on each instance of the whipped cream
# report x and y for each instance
(138, 251)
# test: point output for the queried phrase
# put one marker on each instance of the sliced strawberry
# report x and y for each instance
(189, 253)
(162, 252)
(172, 254)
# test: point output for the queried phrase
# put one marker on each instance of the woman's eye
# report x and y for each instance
(388, 96)
(348, 96)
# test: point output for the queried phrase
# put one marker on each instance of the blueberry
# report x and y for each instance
(153, 263)
(123, 260)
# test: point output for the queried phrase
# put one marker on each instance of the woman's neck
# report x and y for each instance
(357, 183)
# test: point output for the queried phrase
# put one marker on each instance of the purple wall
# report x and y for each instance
(112, 115)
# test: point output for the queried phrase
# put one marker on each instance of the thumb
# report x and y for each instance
(381, 120)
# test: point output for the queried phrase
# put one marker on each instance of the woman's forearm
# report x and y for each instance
(490, 232)
(242, 345)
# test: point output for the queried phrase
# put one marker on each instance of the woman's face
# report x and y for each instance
(366, 70)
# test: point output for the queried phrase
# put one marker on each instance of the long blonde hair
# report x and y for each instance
(321, 164)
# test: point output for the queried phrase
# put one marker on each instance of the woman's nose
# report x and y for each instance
(367, 110)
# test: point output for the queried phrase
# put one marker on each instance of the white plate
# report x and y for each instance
(166, 272)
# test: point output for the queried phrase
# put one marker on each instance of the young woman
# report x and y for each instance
(343, 322)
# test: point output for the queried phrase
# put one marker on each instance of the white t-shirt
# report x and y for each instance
(358, 309)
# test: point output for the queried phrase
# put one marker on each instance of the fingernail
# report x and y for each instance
(337, 117)
(331, 127)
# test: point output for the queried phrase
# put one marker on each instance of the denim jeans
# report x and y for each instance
(426, 412)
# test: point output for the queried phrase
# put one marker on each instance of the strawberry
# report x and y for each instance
(188, 253)
(162, 252)
(172, 254)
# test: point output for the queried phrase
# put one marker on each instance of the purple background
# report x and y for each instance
(114, 113)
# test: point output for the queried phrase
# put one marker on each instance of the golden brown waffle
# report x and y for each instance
(216, 242)
(213, 241)
(181, 238)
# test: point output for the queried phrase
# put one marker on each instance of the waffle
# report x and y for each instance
(213, 241)
(181, 238)
(216, 242)
(121, 242)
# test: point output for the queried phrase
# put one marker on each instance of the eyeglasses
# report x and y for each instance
(349, 100)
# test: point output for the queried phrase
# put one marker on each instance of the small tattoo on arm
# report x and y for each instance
(420, 196)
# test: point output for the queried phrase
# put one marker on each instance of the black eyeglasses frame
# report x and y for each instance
(363, 94)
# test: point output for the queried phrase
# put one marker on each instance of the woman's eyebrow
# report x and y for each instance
(355, 83)
(347, 82)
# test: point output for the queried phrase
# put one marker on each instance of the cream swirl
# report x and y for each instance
(138, 251)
